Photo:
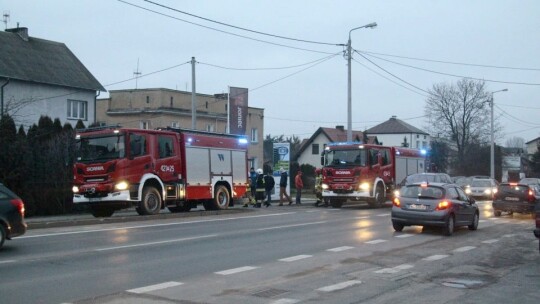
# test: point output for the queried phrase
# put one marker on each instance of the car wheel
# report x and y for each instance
(2, 235)
(448, 229)
(397, 226)
(497, 213)
(474, 224)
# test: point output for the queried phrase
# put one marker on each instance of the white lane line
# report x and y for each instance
(8, 261)
(490, 241)
(386, 214)
(155, 287)
(375, 242)
(395, 269)
(435, 257)
(509, 235)
(339, 249)
(405, 235)
(158, 243)
(463, 249)
(504, 222)
(339, 286)
(291, 226)
(494, 218)
(482, 221)
(153, 225)
(362, 217)
(236, 270)
(285, 301)
(295, 258)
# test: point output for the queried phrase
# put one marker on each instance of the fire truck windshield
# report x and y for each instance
(337, 158)
(100, 148)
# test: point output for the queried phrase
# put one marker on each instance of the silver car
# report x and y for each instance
(485, 188)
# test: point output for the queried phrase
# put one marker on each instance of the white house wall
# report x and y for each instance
(395, 140)
(46, 100)
(313, 159)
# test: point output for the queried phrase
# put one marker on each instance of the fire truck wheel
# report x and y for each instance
(102, 211)
(379, 199)
(221, 200)
(151, 201)
(336, 203)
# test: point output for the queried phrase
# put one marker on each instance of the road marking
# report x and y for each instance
(494, 218)
(490, 241)
(155, 287)
(375, 242)
(386, 214)
(154, 225)
(291, 226)
(285, 301)
(395, 269)
(295, 258)
(157, 243)
(404, 235)
(362, 217)
(482, 221)
(463, 249)
(339, 286)
(509, 235)
(8, 261)
(435, 257)
(236, 270)
(339, 249)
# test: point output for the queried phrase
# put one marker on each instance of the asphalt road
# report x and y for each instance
(289, 254)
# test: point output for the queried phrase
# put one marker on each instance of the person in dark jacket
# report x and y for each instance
(260, 189)
(269, 184)
(283, 187)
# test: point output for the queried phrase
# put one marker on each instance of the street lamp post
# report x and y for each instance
(349, 97)
(492, 150)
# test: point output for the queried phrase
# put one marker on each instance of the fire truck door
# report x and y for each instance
(374, 163)
(167, 160)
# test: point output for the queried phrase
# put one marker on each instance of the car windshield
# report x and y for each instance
(345, 158)
(418, 178)
(100, 148)
(422, 191)
(518, 190)
(481, 183)
(528, 181)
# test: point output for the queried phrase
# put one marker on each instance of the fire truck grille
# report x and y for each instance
(343, 180)
(97, 194)
(95, 179)
(342, 191)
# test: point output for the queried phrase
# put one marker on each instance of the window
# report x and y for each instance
(452, 193)
(210, 128)
(206, 105)
(165, 146)
(374, 157)
(254, 137)
(145, 125)
(417, 136)
(418, 144)
(171, 101)
(137, 145)
(315, 149)
(175, 124)
(385, 154)
(147, 99)
(77, 109)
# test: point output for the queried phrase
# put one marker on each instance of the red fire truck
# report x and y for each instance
(362, 172)
(118, 168)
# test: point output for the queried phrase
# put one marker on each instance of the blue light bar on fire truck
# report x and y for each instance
(345, 143)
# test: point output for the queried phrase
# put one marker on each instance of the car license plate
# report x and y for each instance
(511, 198)
(417, 207)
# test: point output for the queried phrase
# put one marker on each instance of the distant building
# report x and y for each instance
(395, 133)
(533, 146)
(310, 149)
(42, 77)
(158, 107)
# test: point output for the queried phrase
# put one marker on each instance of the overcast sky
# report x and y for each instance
(302, 85)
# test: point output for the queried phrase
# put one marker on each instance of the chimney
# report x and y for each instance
(393, 117)
(21, 31)
(342, 128)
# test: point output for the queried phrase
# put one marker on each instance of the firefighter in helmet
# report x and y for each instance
(318, 188)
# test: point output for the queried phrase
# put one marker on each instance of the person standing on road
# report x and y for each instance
(283, 187)
(252, 187)
(260, 189)
(318, 188)
(299, 186)
(269, 184)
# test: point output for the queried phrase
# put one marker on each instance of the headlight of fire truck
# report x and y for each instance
(75, 189)
(363, 186)
(324, 186)
(121, 186)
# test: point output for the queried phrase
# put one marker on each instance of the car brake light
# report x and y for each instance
(443, 205)
(531, 197)
(396, 202)
(18, 203)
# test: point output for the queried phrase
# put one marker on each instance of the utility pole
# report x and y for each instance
(193, 96)
(137, 73)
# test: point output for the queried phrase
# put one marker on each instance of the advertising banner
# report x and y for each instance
(281, 157)
(238, 110)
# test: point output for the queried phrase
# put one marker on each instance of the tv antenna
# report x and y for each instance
(5, 18)
(137, 73)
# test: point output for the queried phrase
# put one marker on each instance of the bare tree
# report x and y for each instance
(515, 142)
(460, 112)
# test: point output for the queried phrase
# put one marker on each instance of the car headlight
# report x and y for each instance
(468, 190)
(75, 189)
(396, 193)
(487, 191)
(121, 186)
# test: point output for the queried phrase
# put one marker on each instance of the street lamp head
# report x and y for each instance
(371, 25)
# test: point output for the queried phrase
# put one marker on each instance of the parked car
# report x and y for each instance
(537, 221)
(464, 182)
(434, 204)
(482, 188)
(514, 197)
(12, 222)
(426, 177)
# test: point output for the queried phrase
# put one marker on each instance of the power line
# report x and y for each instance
(448, 74)
(514, 106)
(241, 28)
(527, 123)
(267, 68)
(450, 62)
(221, 31)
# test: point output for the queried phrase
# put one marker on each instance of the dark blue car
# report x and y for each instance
(12, 222)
